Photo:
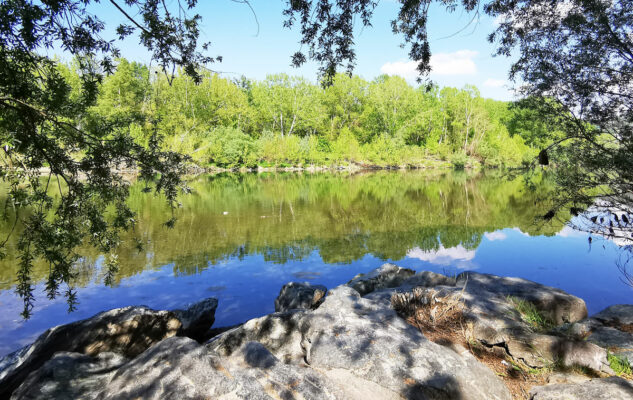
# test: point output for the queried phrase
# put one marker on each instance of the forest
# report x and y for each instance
(286, 121)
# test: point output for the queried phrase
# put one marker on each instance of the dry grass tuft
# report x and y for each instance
(430, 310)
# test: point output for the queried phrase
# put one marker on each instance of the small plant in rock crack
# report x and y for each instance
(620, 365)
(531, 315)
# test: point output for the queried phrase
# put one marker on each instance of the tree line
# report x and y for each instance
(289, 121)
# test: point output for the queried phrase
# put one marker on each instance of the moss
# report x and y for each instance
(620, 365)
(530, 314)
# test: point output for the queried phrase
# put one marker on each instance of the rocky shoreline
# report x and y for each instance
(388, 334)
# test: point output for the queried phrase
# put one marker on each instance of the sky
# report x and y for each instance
(256, 47)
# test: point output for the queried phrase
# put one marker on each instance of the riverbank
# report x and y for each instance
(390, 333)
(430, 164)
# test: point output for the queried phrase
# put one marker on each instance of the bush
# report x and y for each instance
(227, 147)
(314, 149)
(620, 365)
(277, 149)
(345, 147)
(459, 160)
(384, 151)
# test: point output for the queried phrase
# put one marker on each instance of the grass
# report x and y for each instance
(530, 314)
(620, 365)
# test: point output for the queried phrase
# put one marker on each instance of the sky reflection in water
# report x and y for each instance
(241, 237)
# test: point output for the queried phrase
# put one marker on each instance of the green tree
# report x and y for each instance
(44, 127)
(574, 57)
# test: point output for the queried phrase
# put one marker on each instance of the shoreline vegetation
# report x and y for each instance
(286, 122)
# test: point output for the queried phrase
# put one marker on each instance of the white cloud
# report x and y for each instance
(443, 256)
(405, 69)
(496, 235)
(495, 83)
(457, 63)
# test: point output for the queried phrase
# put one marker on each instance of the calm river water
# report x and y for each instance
(240, 237)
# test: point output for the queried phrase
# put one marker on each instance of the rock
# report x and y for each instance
(620, 315)
(538, 350)
(557, 305)
(296, 295)
(429, 279)
(281, 333)
(494, 320)
(353, 346)
(612, 388)
(70, 376)
(362, 347)
(386, 276)
(611, 328)
(180, 368)
(127, 331)
(198, 318)
(618, 342)
(566, 377)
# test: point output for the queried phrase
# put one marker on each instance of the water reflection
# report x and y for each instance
(239, 237)
(457, 256)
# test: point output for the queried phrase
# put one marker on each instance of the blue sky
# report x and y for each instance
(460, 56)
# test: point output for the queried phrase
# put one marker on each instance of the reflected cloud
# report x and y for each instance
(571, 232)
(456, 256)
(496, 235)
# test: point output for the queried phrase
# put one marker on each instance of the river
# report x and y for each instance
(240, 237)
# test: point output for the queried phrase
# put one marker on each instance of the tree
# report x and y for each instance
(46, 126)
(575, 58)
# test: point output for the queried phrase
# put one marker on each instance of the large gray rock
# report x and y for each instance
(539, 350)
(429, 279)
(612, 388)
(611, 328)
(494, 320)
(127, 331)
(180, 368)
(362, 346)
(70, 376)
(386, 276)
(557, 305)
(350, 347)
(617, 315)
(198, 318)
(297, 296)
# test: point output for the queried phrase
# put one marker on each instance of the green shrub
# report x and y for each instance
(278, 149)
(530, 314)
(459, 160)
(227, 147)
(619, 364)
(384, 151)
(345, 147)
(311, 146)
